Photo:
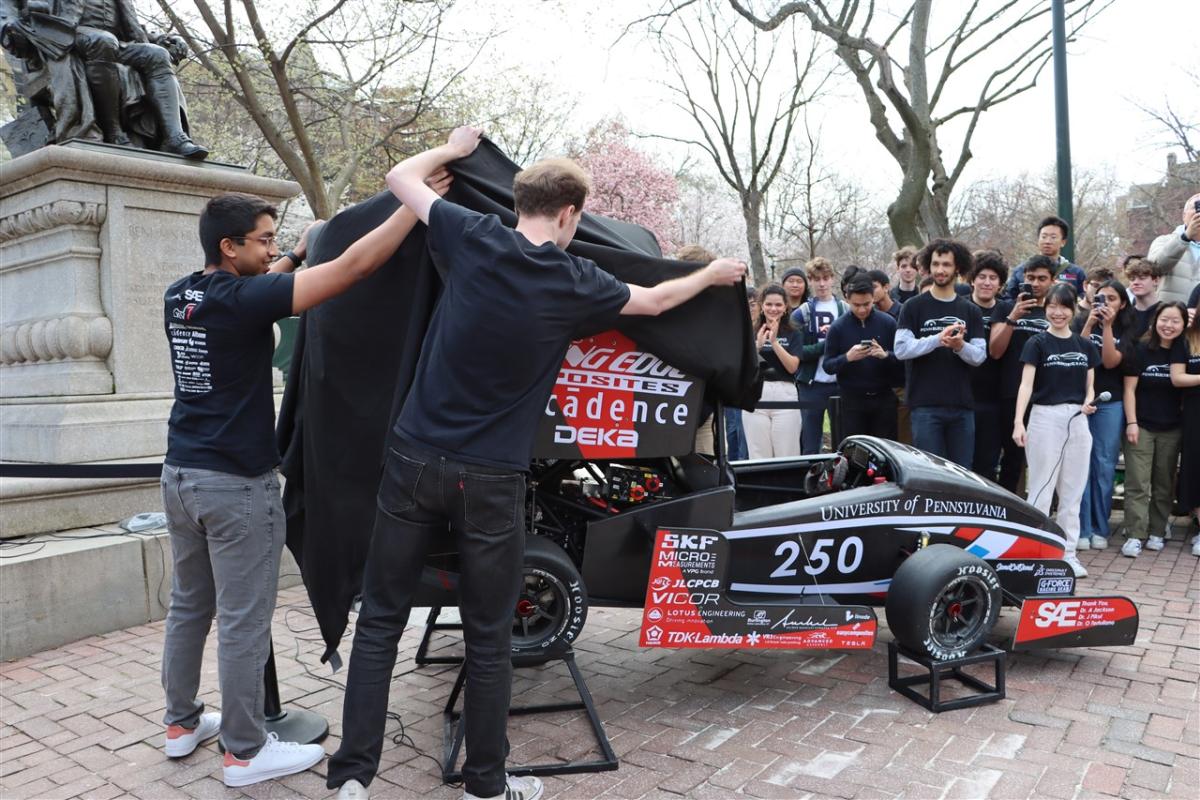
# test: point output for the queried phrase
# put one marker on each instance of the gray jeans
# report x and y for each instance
(227, 533)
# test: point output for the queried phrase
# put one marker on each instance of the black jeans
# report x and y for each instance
(1012, 455)
(991, 429)
(423, 497)
(871, 414)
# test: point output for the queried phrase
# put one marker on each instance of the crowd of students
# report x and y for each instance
(1021, 375)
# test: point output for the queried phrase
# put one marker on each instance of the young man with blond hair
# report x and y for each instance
(812, 320)
(461, 446)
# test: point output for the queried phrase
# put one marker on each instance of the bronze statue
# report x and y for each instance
(92, 66)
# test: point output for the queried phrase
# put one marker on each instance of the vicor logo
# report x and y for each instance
(1058, 615)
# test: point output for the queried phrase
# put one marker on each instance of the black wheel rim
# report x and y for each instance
(541, 609)
(960, 614)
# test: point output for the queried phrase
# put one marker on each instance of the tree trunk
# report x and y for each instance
(752, 213)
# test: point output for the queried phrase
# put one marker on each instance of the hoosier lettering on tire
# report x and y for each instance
(552, 607)
(943, 602)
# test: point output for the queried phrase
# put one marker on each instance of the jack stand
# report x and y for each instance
(454, 730)
(431, 625)
(937, 671)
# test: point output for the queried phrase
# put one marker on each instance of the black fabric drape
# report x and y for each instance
(355, 356)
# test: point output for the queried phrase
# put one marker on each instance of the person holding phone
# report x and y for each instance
(1107, 324)
(1014, 323)
(1176, 255)
(1058, 378)
(940, 336)
(1185, 376)
(858, 350)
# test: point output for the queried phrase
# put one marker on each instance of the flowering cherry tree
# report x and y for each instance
(627, 184)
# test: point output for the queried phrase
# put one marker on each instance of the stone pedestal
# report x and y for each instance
(90, 238)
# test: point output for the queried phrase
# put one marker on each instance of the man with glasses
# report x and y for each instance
(220, 489)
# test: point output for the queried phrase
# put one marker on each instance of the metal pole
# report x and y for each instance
(1062, 125)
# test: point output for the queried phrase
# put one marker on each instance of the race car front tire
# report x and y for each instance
(553, 604)
(943, 602)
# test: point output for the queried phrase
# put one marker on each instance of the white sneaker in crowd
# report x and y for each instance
(1132, 548)
(1196, 545)
(1099, 543)
(353, 790)
(182, 742)
(274, 760)
(1083, 544)
(1076, 567)
(1154, 543)
(526, 787)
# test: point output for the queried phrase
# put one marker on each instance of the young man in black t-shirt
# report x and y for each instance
(459, 451)
(992, 427)
(940, 336)
(220, 490)
(1013, 324)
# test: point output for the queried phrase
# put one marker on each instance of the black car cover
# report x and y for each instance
(355, 357)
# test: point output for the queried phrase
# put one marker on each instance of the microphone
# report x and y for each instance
(1103, 398)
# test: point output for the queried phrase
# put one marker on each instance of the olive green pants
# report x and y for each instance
(1151, 466)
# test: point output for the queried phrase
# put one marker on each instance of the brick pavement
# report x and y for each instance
(84, 720)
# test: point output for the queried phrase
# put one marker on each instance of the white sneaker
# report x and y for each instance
(353, 790)
(182, 742)
(1083, 544)
(1154, 543)
(1076, 567)
(1132, 548)
(526, 787)
(1099, 543)
(274, 760)
(1196, 545)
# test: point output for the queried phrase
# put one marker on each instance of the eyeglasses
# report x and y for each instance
(265, 241)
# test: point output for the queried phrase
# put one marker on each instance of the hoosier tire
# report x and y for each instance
(553, 604)
(943, 602)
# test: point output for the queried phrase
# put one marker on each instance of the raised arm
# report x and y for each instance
(407, 179)
(654, 300)
(317, 284)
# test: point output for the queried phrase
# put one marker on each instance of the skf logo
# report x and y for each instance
(654, 634)
(688, 541)
(1058, 615)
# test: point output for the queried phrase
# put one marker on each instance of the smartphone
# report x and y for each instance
(866, 343)
(1196, 206)
(1027, 289)
(1100, 300)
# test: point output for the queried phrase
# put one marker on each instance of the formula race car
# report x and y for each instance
(804, 546)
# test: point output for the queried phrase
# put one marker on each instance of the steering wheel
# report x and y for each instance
(828, 476)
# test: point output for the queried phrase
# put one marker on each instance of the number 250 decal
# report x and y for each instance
(849, 556)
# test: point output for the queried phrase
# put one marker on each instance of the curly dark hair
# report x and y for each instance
(988, 259)
(963, 262)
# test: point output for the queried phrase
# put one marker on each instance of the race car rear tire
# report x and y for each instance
(553, 604)
(943, 602)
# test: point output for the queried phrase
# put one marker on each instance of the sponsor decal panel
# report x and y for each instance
(686, 606)
(613, 400)
(1076, 622)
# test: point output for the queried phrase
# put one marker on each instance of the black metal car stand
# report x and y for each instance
(455, 730)
(431, 626)
(952, 669)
